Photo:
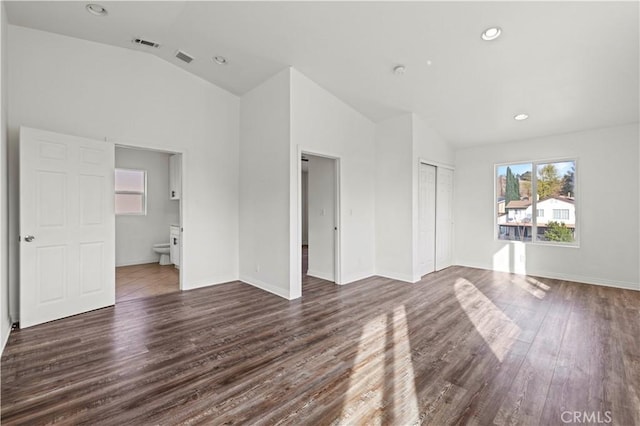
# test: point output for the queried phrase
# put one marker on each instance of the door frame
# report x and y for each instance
(142, 146)
(296, 252)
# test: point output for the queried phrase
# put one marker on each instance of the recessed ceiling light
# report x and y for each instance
(491, 33)
(96, 9)
(399, 69)
(220, 60)
(520, 117)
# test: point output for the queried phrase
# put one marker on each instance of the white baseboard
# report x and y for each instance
(321, 275)
(278, 291)
(396, 276)
(626, 285)
(586, 280)
(137, 262)
(351, 278)
(5, 338)
(215, 281)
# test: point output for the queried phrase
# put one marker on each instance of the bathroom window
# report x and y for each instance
(131, 192)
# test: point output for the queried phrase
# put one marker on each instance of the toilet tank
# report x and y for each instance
(174, 245)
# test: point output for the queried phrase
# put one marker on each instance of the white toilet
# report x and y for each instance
(163, 250)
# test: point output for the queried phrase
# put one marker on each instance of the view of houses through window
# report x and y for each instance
(548, 188)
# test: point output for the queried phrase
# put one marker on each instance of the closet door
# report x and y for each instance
(427, 219)
(444, 218)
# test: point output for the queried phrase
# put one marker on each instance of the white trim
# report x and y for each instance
(138, 262)
(144, 145)
(534, 200)
(266, 287)
(212, 282)
(398, 277)
(295, 286)
(321, 275)
(587, 280)
(435, 163)
(6, 339)
(356, 277)
(624, 285)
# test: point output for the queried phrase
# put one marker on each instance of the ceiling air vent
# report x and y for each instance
(144, 42)
(183, 56)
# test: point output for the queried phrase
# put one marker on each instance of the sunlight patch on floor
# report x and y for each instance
(497, 329)
(405, 400)
(367, 377)
(382, 384)
(531, 286)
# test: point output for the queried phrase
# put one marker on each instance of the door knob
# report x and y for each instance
(29, 238)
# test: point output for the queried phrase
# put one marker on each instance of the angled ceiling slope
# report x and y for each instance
(570, 65)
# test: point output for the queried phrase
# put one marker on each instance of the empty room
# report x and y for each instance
(320, 213)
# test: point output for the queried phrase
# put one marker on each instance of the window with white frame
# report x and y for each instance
(561, 214)
(544, 187)
(130, 192)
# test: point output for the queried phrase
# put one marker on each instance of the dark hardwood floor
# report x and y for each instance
(463, 346)
(149, 279)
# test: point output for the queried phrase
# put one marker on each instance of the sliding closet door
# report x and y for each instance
(444, 218)
(427, 220)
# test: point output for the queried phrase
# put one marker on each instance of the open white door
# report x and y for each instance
(67, 241)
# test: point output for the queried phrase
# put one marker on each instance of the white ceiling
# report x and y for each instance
(570, 65)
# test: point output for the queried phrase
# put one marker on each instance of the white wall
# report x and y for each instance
(136, 234)
(393, 183)
(323, 124)
(5, 321)
(88, 89)
(607, 187)
(401, 143)
(428, 146)
(321, 217)
(264, 186)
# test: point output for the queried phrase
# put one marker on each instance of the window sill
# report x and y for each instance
(575, 245)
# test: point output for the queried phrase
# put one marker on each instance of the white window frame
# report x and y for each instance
(143, 193)
(534, 205)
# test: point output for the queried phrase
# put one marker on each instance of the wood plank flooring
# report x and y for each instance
(462, 346)
(150, 279)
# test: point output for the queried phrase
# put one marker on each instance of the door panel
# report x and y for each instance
(66, 204)
(427, 219)
(51, 278)
(444, 218)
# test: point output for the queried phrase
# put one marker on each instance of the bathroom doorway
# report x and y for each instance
(148, 196)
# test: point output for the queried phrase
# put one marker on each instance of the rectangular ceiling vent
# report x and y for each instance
(184, 56)
(144, 42)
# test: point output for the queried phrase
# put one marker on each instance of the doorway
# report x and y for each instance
(148, 222)
(319, 206)
(434, 217)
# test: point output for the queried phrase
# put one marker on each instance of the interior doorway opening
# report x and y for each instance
(319, 225)
(148, 197)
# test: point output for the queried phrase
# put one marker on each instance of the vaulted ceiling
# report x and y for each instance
(569, 65)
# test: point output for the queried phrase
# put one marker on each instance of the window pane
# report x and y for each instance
(129, 204)
(556, 197)
(513, 191)
(129, 180)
